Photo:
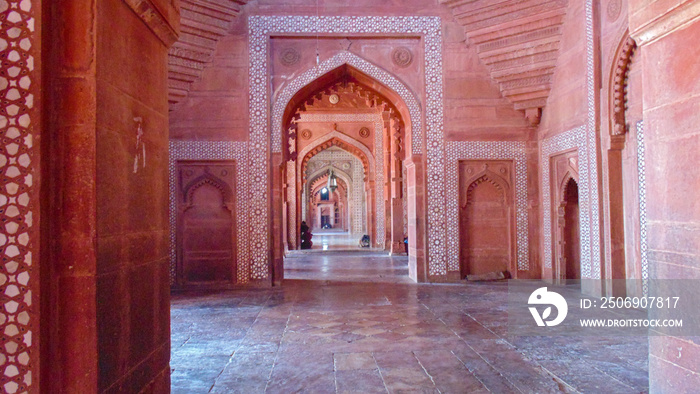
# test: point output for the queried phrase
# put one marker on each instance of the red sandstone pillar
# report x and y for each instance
(69, 258)
(396, 189)
(278, 233)
(106, 308)
(417, 219)
(615, 285)
(371, 217)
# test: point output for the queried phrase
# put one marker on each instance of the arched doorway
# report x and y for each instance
(569, 264)
(351, 164)
(566, 242)
(347, 112)
(347, 200)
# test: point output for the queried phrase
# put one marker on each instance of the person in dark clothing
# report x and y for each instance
(305, 236)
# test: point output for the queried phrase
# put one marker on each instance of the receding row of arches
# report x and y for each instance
(350, 127)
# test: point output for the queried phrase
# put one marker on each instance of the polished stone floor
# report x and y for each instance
(334, 240)
(353, 322)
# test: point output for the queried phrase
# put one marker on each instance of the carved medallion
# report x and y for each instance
(333, 98)
(402, 56)
(289, 56)
(614, 8)
(306, 134)
(364, 132)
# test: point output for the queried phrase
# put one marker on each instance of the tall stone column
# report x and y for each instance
(106, 257)
(396, 187)
(69, 256)
(371, 217)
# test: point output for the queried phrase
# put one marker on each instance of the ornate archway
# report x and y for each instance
(354, 189)
(388, 135)
(357, 176)
(360, 68)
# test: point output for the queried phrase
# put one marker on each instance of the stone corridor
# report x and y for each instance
(353, 322)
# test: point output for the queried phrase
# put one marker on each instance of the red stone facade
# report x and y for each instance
(565, 131)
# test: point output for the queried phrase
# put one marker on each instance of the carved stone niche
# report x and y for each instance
(206, 225)
(566, 228)
(486, 217)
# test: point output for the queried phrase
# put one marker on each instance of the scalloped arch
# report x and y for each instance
(490, 177)
(195, 184)
(393, 84)
(343, 142)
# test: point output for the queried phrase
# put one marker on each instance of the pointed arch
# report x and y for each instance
(487, 175)
(322, 175)
(563, 186)
(364, 70)
(343, 142)
(207, 179)
(486, 208)
(355, 196)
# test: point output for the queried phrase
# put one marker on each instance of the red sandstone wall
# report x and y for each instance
(217, 105)
(671, 78)
(475, 110)
(133, 314)
(105, 282)
(567, 103)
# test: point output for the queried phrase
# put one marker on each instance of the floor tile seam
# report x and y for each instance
(536, 363)
(443, 322)
(517, 349)
(189, 335)
(457, 357)
(559, 381)
(413, 353)
(335, 376)
(277, 353)
(610, 376)
(237, 350)
(525, 353)
(490, 366)
(491, 331)
(381, 375)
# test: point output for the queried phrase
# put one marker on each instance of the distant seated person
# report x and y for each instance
(305, 236)
(364, 241)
